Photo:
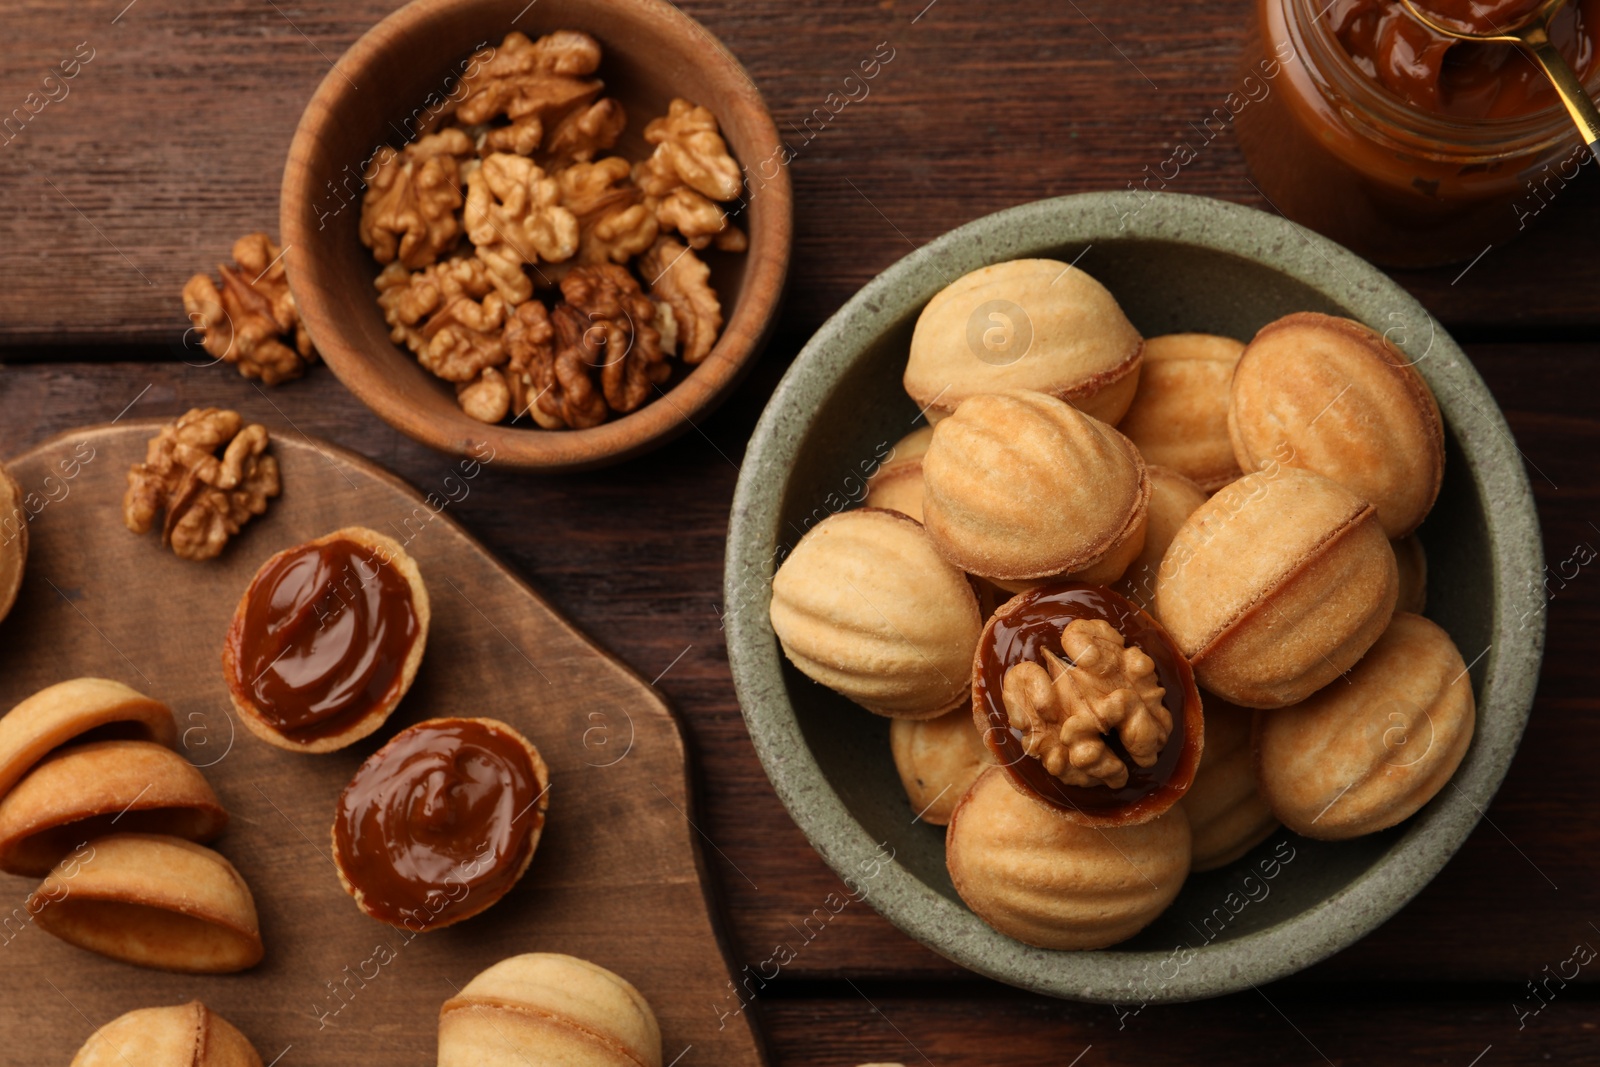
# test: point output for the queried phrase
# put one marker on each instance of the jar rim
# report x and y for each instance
(1351, 86)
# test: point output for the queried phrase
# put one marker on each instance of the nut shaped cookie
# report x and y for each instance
(1179, 417)
(1173, 498)
(152, 901)
(83, 791)
(865, 606)
(1357, 758)
(543, 1007)
(1227, 816)
(1034, 876)
(1413, 564)
(57, 714)
(1021, 486)
(185, 1035)
(13, 541)
(1035, 324)
(897, 484)
(1333, 396)
(938, 759)
(1276, 586)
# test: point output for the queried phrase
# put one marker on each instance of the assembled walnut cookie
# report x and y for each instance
(615, 244)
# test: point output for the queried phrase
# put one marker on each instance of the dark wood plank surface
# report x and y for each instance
(170, 145)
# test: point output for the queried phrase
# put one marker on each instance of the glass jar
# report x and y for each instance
(1333, 150)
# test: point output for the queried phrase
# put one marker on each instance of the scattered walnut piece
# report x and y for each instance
(565, 392)
(678, 279)
(487, 397)
(583, 133)
(208, 498)
(528, 341)
(514, 216)
(620, 337)
(1066, 710)
(613, 224)
(408, 212)
(689, 170)
(532, 83)
(251, 321)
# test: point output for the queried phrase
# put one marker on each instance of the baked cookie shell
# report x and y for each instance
(88, 790)
(185, 1035)
(1227, 815)
(1173, 498)
(544, 1007)
(1051, 883)
(1179, 416)
(1412, 561)
(1333, 396)
(152, 901)
(1276, 586)
(1021, 486)
(83, 708)
(897, 484)
(350, 728)
(866, 606)
(938, 760)
(1357, 758)
(13, 541)
(1061, 333)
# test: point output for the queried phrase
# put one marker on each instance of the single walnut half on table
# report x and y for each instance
(251, 321)
(207, 496)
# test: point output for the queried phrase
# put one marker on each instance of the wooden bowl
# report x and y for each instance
(653, 52)
(1174, 263)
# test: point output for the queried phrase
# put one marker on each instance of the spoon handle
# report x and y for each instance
(1570, 89)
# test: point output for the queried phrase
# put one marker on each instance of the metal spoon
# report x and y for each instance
(1532, 32)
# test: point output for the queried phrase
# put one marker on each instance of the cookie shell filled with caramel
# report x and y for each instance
(1333, 396)
(326, 640)
(1357, 758)
(1034, 324)
(184, 1035)
(1276, 585)
(1025, 486)
(866, 606)
(1179, 417)
(1053, 883)
(441, 822)
(1087, 705)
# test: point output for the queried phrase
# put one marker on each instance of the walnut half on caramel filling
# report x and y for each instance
(1066, 709)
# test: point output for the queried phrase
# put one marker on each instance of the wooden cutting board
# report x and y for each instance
(618, 878)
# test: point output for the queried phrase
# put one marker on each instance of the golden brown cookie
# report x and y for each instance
(13, 541)
(1179, 417)
(1035, 876)
(1333, 396)
(938, 759)
(1357, 758)
(84, 708)
(543, 1007)
(185, 1035)
(83, 791)
(1034, 324)
(1173, 498)
(1226, 813)
(152, 901)
(897, 484)
(1021, 486)
(865, 606)
(1276, 585)
(424, 868)
(326, 640)
(1413, 564)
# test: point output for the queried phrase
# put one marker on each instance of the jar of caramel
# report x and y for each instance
(1409, 148)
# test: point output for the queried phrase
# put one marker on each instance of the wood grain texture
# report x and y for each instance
(634, 556)
(617, 878)
(171, 141)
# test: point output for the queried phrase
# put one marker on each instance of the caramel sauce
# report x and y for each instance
(1461, 79)
(437, 821)
(1030, 624)
(323, 638)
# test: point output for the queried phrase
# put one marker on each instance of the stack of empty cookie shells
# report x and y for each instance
(96, 799)
(1134, 603)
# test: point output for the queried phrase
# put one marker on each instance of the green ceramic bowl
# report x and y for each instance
(1176, 263)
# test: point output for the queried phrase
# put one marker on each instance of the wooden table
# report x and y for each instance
(170, 143)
